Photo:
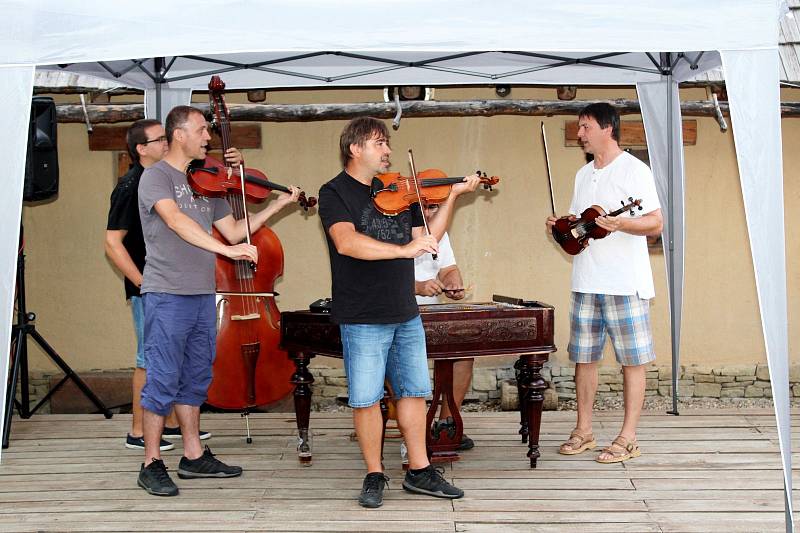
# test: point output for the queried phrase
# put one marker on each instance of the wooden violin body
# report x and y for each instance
(393, 193)
(573, 234)
(214, 178)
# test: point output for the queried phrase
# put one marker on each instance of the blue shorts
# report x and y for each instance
(625, 318)
(374, 352)
(180, 338)
(137, 308)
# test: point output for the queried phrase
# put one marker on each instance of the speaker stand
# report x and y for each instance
(20, 332)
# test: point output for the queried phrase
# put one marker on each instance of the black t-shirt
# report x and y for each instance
(124, 215)
(368, 292)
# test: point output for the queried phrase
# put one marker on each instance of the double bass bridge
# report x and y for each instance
(251, 316)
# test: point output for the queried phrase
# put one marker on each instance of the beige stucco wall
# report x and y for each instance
(499, 238)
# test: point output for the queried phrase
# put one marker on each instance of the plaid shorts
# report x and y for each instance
(625, 318)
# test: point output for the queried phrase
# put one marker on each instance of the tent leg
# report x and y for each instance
(675, 369)
(671, 235)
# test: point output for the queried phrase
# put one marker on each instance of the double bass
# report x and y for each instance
(249, 370)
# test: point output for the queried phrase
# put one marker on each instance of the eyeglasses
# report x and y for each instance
(161, 139)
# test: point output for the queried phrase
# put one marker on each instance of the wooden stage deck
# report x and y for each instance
(702, 471)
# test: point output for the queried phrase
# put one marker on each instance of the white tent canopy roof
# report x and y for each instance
(318, 43)
(39, 32)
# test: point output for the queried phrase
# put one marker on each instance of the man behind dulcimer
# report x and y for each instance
(612, 282)
(372, 271)
(178, 290)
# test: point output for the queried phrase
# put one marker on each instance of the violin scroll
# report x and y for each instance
(486, 182)
(632, 203)
(306, 202)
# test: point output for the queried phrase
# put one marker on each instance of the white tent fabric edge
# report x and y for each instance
(16, 85)
(681, 25)
(752, 76)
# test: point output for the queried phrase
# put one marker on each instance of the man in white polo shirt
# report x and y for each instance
(612, 282)
(433, 278)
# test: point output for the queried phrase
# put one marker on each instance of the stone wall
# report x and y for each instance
(38, 385)
(732, 381)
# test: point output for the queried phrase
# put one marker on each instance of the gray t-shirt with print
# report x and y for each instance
(173, 265)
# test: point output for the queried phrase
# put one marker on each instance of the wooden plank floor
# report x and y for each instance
(702, 471)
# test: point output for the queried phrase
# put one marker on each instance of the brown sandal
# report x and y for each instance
(577, 443)
(620, 449)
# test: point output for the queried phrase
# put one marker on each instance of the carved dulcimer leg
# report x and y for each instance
(533, 386)
(522, 371)
(302, 380)
(442, 445)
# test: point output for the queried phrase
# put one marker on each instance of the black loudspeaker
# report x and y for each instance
(41, 165)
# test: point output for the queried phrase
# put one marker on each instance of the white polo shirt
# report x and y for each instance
(619, 263)
(426, 268)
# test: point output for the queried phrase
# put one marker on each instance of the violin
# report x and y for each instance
(216, 179)
(573, 234)
(393, 193)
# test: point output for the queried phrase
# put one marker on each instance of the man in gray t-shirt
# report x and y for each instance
(178, 294)
(173, 265)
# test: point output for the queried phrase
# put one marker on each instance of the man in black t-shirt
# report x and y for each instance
(372, 271)
(124, 245)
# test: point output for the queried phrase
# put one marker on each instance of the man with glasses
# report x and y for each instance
(124, 245)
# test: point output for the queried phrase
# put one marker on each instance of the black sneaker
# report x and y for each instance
(154, 479)
(430, 481)
(137, 443)
(206, 466)
(372, 490)
(466, 443)
(449, 426)
(175, 433)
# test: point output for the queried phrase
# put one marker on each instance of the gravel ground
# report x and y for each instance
(661, 403)
(657, 403)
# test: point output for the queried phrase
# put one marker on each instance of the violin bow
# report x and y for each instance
(549, 177)
(419, 196)
(246, 214)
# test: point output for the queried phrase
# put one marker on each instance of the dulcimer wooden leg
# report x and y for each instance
(442, 445)
(531, 398)
(302, 380)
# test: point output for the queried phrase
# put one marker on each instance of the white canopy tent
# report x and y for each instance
(651, 44)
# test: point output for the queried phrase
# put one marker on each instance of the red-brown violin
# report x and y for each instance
(215, 178)
(573, 234)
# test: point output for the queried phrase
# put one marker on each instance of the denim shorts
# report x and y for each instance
(180, 337)
(137, 308)
(375, 352)
(625, 318)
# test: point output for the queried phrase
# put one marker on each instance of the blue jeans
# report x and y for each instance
(137, 309)
(374, 352)
(180, 340)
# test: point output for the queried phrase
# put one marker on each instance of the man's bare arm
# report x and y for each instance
(118, 254)
(351, 243)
